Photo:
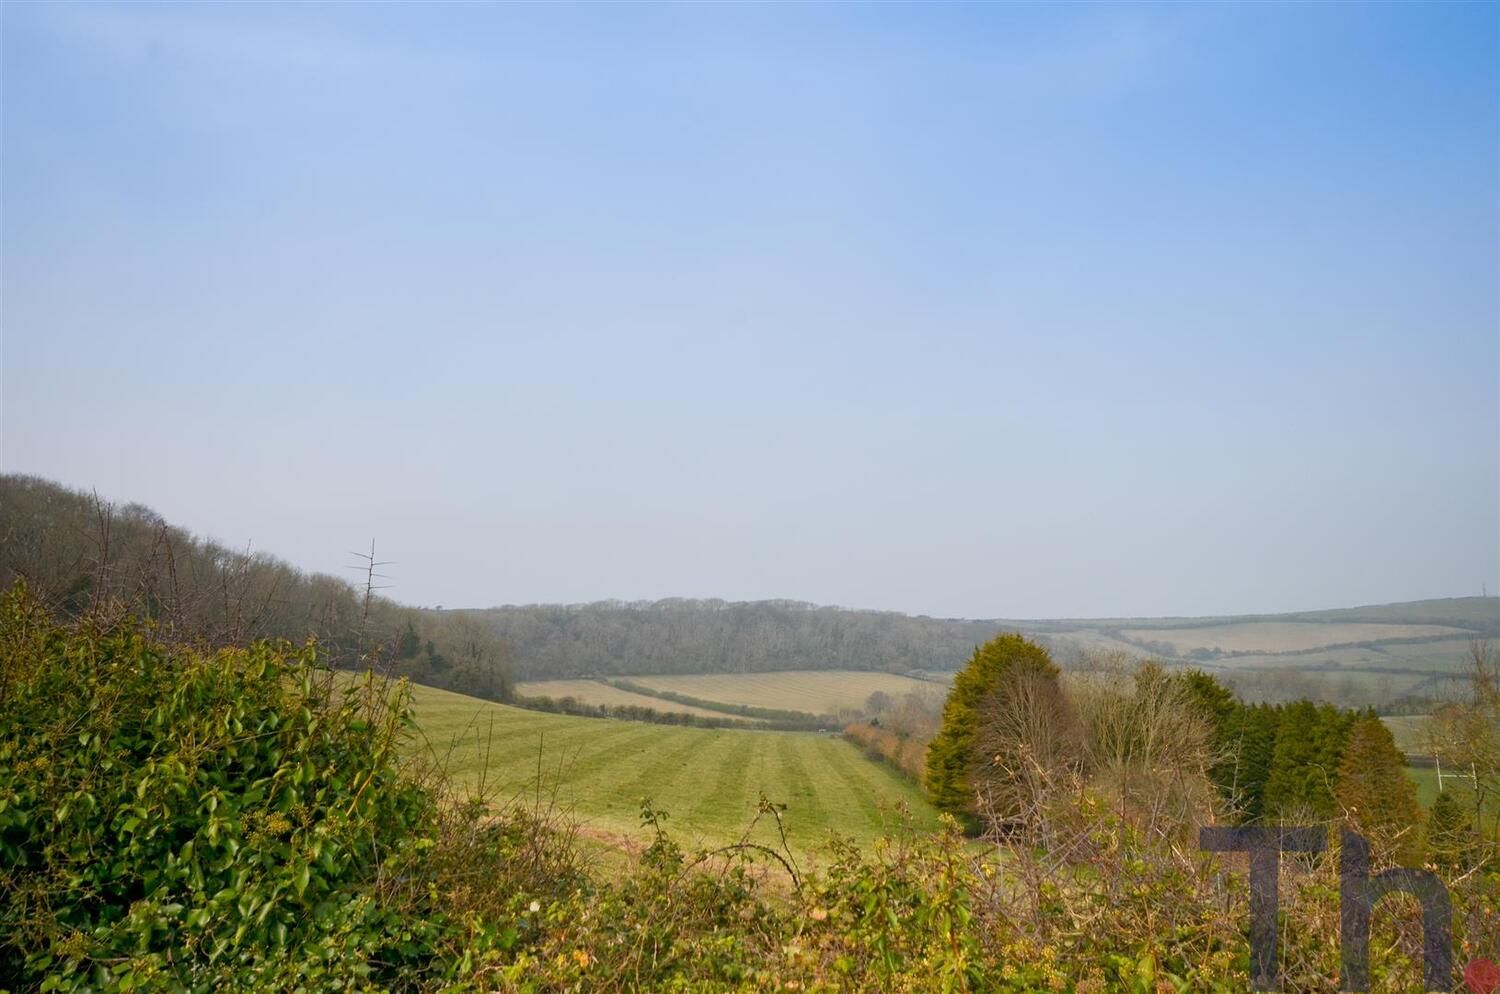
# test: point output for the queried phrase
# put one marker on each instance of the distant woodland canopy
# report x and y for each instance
(614, 638)
(78, 554)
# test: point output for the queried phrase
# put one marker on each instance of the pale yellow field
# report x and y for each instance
(1410, 733)
(1066, 646)
(813, 691)
(1282, 636)
(594, 692)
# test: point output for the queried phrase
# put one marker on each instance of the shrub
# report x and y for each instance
(178, 820)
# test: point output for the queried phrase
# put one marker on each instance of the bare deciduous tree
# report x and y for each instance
(1464, 739)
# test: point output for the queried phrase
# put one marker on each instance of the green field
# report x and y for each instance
(1425, 777)
(813, 691)
(708, 780)
(595, 692)
(1426, 780)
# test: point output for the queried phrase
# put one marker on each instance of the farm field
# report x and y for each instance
(1409, 731)
(1282, 636)
(1323, 659)
(1446, 656)
(813, 691)
(1425, 778)
(594, 692)
(1427, 786)
(708, 780)
(1442, 656)
(1068, 645)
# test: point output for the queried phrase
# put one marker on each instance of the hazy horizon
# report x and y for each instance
(971, 312)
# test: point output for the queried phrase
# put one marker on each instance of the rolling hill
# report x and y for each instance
(1379, 655)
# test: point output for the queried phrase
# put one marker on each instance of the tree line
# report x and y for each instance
(1171, 750)
(616, 638)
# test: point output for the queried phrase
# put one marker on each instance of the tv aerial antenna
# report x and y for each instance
(368, 568)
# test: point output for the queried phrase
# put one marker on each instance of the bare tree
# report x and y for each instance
(1464, 738)
(1031, 746)
(1146, 745)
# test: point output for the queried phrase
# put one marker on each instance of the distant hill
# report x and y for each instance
(1475, 613)
(612, 638)
(1394, 657)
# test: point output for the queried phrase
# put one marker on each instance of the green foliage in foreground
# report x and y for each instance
(177, 821)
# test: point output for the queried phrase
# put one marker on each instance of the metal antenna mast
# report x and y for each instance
(368, 567)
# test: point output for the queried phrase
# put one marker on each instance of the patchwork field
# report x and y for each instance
(1441, 656)
(1067, 646)
(1282, 636)
(708, 780)
(594, 692)
(813, 691)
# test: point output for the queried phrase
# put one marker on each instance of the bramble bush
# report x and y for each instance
(182, 820)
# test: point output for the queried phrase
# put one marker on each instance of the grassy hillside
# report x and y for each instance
(83, 555)
(708, 780)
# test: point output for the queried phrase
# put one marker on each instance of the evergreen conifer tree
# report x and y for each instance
(953, 755)
(1450, 832)
(1377, 797)
(1310, 740)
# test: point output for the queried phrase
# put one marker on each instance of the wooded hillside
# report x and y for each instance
(78, 554)
(550, 641)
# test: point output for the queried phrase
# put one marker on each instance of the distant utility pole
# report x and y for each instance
(368, 567)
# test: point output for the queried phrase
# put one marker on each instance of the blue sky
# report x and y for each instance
(960, 310)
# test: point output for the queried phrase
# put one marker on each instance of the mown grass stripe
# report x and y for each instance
(707, 779)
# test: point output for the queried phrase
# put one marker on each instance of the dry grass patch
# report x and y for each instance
(812, 691)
